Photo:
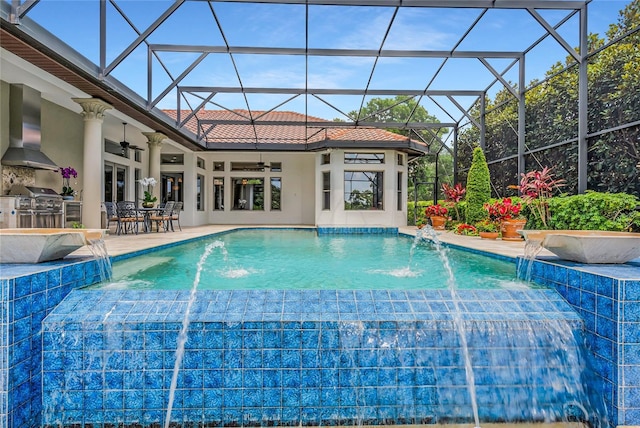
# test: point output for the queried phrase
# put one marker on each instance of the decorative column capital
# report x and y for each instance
(92, 108)
(155, 139)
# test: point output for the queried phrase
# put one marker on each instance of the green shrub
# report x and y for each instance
(595, 211)
(478, 187)
(461, 209)
(420, 215)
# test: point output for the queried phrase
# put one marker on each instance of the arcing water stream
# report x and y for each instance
(182, 337)
(457, 318)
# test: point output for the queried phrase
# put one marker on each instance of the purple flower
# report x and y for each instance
(68, 172)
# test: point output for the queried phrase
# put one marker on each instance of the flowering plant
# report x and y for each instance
(487, 226)
(149, 182)
(453, 195)
(536, 188)
(436, 210)
(504, 209)
(465, 229)
(67, 173)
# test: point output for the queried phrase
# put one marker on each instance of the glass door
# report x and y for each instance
(115, 182)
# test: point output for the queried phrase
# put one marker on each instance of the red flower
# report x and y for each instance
(503, 210)
(455, 193)
(435, 210)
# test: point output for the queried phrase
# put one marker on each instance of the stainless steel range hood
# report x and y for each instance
(24, 130)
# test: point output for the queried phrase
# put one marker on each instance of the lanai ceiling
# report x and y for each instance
(319, 58)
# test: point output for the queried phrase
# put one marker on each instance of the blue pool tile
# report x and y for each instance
(631, 290)
(252, 358)
(213, 401)
(272, 358)
(272, 397)
(232, 378)
(631, 354)
(310, 378)
(588, 301)
(631, 312)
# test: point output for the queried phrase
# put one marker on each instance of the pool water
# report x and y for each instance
(301, 259)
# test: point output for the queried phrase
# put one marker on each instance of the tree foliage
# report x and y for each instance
(405, 109)
(552, 118)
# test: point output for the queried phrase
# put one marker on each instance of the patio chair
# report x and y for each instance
(163, 217)
(177, 208)
(112, 214)
(128, 217)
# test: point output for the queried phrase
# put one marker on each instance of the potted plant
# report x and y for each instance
(67, 191)
(437, 213)
(149, 200)
(507, 213)
(466, 229)
(488, 229)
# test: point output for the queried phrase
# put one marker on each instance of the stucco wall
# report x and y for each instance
(297, 198)
(338, 216)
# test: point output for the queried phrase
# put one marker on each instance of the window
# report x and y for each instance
(248, 194)
(137, 156)
(137, 175)
(368, 158)
(116, 149)
(218, 194)
(200, 192)
(363, 190)
(276, 167)
(172, 187)
(171, 159)
(399, 191)
(200, 163)
(276, 191)
(400, 159)
(326, 190)
(325, 159)
(218, 166)
(246, 166)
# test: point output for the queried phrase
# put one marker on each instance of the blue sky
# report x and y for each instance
(264, 25)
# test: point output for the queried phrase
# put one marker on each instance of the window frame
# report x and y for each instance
(377, 193)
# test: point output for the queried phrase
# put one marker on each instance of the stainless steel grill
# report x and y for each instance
(37, 206)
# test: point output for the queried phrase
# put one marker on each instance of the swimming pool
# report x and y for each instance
(302, 259)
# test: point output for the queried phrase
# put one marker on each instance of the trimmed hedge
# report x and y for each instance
(595, 211)
(478, 187)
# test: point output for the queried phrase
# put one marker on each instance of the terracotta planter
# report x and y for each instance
(489, 235)
(437, 222)
(509, 229)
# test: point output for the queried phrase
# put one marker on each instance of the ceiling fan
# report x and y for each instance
(261, 164)
(124, 143)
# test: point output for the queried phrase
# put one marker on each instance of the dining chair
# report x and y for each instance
(175, 215)
(128, 217)
(162, 217)
(112, 214)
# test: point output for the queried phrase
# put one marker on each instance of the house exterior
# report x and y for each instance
(276, 170)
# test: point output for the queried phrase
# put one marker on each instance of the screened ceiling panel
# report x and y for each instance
(320, 58)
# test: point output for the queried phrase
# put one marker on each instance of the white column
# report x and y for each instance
(154, 141)
(93, 113)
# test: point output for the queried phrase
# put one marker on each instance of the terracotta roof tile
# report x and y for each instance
(240, 133)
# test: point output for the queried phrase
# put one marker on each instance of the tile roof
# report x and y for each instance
(279, 127)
